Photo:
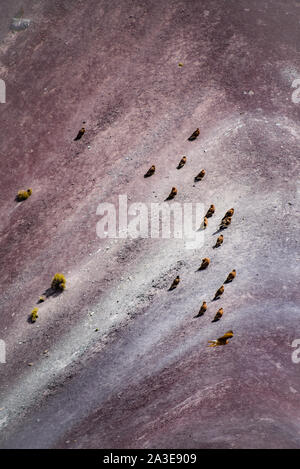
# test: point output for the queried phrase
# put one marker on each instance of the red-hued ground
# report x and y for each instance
(146, 378)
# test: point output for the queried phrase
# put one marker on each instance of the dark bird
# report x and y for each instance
(228, 214)
(150, 172)
(219, 241)
(80, 134)
(175, 283)
(194, 135)
(225, 223)
(200, 176)
(181, 162)
(218, 315)
(222, 340)
(172, 194)
(219, 292)
(205, 223)
(205, 263)
(202, 309)
(231, 276)
(210, 211)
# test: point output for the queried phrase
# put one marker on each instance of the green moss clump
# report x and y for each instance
(23, 195)
(34, 314)
(58, 282)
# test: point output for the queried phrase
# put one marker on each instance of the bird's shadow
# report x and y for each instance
(198, 315)
(148, 175)
(201, 268)
(52, 292)
(78, 137)
(219, 230)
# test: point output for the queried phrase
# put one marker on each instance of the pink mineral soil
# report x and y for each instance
(117, 361)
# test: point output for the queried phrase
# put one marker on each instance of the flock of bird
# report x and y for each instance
(225, 222)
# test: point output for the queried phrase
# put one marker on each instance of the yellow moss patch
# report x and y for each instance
(58, 282)
(34, 314)
(23, 195)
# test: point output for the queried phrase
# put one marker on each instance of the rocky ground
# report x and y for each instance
(116, 360)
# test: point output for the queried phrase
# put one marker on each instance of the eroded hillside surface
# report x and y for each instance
(117, 360)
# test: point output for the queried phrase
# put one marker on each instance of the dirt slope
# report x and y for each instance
(146, 378)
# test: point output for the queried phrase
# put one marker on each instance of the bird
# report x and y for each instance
(218, 315)
(150, 172)
(202, 309)
(80, 134)
(230, 276)
(200, 176)
(205, 223)
(219, 241)
(172, 194)
(181, 162)
(228, 214)
(175, 283)
(219, 292)
(210, 211)
(221, 340)
(205, 263)
(225, 223)
(194, 135)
